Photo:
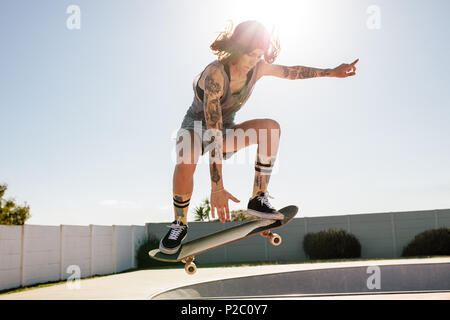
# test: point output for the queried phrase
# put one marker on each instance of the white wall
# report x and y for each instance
(41, 254)
(102, 256)
(76, 250)
(32, 254)
(122, 242)
(10, 256)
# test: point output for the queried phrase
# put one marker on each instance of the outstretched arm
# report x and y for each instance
(301, 72)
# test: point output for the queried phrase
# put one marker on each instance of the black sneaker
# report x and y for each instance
(259, 206)
(172, 241)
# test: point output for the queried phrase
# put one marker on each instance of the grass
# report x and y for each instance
(28, 288)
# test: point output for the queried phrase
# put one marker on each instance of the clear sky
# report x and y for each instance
(88, 116)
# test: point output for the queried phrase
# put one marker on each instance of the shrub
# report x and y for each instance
(434, 242)
(241, 215)
(331, 244)
(143, 260)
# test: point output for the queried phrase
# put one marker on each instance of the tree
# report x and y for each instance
(10, 212)
(202, 211)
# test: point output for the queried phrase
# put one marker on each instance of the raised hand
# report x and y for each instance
(345, 70)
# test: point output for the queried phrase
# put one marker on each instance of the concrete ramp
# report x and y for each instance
(399, 278)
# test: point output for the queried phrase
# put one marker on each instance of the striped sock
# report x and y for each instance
(262, 175)
(181, 206)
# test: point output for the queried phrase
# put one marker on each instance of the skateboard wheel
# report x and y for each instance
(190, 268)
(275, 239)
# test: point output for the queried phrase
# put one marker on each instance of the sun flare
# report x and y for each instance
(284, 17)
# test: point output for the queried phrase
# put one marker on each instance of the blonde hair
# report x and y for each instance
(246, 37)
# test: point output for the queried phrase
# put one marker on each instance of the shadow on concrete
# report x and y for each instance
(401, 278)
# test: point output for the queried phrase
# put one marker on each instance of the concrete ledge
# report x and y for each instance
(362, 279)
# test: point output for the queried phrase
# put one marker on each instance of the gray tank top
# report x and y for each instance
(230, 103)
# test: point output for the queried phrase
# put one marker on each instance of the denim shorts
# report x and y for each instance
(191, 122)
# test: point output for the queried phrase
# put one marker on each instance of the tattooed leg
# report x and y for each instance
(263, 170)
(181, 206)
(268, 142)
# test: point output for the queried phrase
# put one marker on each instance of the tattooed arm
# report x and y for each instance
(300, 72)
(213, 85)
(213, 114)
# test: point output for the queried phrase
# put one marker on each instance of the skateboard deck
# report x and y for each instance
(190, 249)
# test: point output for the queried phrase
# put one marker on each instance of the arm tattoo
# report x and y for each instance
(215, 176)
(299, 72)
(213, 117)
(212, 86)
(213, 113)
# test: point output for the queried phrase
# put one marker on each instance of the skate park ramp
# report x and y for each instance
(432, 276)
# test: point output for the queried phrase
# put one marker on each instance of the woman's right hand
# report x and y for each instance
(219, 204)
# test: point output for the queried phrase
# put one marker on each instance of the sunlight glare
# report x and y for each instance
(287, 17)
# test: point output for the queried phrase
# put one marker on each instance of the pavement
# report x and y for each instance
(148, 284)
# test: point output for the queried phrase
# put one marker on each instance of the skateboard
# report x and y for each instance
(187, 252)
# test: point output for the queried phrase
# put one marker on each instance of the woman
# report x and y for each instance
(208, 126)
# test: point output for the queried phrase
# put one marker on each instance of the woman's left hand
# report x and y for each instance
(345, 70)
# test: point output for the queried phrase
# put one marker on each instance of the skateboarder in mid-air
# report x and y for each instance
(245, 55)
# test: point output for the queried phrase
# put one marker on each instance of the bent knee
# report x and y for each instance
(271, 124)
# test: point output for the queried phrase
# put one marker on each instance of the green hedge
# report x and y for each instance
(434, 242)
(331, 244)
